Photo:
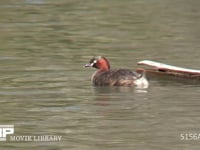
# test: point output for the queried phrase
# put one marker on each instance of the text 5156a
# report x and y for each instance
(190, 136)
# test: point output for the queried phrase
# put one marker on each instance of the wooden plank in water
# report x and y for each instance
(164, 69)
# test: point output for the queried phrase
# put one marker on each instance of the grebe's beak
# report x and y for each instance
(88, 65)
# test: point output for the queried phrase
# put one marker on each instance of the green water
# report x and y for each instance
(44, 89)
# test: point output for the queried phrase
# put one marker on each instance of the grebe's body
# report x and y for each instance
(104, 76)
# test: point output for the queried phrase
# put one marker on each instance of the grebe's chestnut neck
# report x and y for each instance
(100, 63)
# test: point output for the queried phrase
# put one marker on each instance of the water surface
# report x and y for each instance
(44, 90)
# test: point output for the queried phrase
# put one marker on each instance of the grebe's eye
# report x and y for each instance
(95, 61)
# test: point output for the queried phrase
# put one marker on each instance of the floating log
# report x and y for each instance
(158, 68)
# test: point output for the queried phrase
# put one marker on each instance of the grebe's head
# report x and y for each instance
(99, 62)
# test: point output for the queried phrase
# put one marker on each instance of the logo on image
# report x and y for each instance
(5, 130)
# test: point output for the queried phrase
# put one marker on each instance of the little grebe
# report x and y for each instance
(104, 76)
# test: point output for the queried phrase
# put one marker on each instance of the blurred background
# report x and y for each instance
(44, 89)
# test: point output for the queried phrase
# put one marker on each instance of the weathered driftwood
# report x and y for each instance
(169, 70)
